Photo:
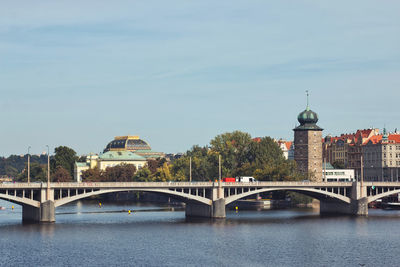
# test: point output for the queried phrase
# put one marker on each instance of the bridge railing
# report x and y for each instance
(37, 185)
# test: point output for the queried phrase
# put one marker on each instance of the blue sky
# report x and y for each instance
(177, 73)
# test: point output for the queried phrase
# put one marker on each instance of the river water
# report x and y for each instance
(88, 235)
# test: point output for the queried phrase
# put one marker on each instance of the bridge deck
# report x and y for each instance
(182, 185)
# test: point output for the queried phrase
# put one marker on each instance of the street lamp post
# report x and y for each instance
(220, 178)
(362, 171)
(190, 169)
(219, 167)
(29, 167)
(48, 172)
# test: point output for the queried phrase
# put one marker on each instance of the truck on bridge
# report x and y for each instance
(239, 179)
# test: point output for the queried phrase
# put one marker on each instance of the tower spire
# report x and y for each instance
(308, 106)
(385, 134)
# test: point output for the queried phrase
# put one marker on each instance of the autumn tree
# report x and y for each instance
(92, 175)
(120, 173)
(154, 164)
(61, 175)
(163, 174)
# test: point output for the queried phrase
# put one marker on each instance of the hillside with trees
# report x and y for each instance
(13, 165)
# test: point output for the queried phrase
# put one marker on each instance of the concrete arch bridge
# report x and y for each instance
(204, 199)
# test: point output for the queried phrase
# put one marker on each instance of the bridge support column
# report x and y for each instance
(360, 207)
(44, 214)
(357, 207)
(47, 212)
(216, 210)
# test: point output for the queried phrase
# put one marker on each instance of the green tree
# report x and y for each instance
(241, 156)
(64, 157)
(234, 149)
(11, 171)
(143, 175)
(163, 174)
(203, 166)
(38, 173)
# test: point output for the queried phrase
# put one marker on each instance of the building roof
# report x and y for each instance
(288, 144)
(327, 166)
(149, 153)
(81, 164)
(374, 139)
(359, 137)
(121, 156)
(377, 139)
(257, 139)
(130, 143)
(282, 143)
(308, 120)
(394, 138)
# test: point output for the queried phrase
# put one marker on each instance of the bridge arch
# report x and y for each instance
(20, 201)
(381, 195)
(315, 193)
(181, 195)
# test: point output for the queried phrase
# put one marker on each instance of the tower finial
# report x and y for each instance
(308, 107)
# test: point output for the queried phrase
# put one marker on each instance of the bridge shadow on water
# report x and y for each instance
(292, 216)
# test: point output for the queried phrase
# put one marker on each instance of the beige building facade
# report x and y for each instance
(381, 158)
(108, 159)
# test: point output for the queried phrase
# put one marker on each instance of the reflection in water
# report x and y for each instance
(361, 226)
(158, 236)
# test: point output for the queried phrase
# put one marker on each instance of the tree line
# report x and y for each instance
(241, 155)
(13, 165)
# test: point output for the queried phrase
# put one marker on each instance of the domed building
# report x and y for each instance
(133, 144)
(121, 150)
(308, 144)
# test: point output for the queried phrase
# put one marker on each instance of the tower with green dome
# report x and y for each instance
(308, 144)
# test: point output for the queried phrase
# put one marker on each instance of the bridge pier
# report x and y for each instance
(357, 207)
(360, 206)
(216, 210)
(44, 214)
